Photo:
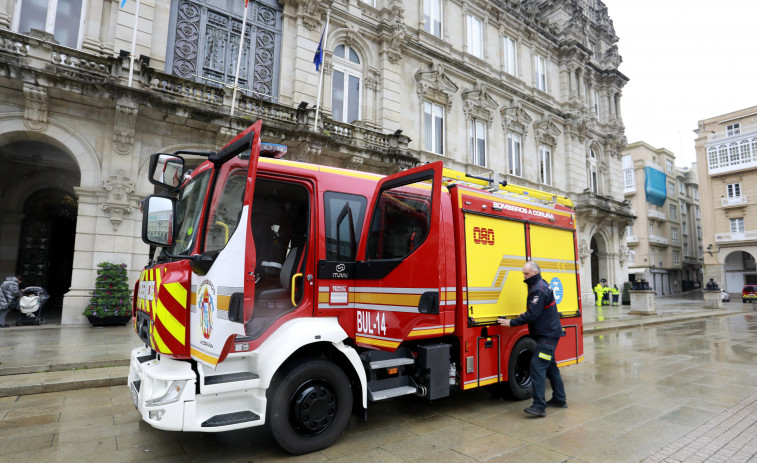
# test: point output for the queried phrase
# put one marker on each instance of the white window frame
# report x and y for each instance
(540, 73)
(676, 257)
(475, 36)
(476, 133)
(673, 212)
(52, 8)
(697, 213)
(734, 190)
(514, 155)
(545, 165)
(593, 179)
(674, 233)
(510, 58)
(595, 97)
(430, 110)
(349, 69)
(629, 179)
(671, 188)
(681, 187)
(434, 11)
(669, 166)
(737, 225)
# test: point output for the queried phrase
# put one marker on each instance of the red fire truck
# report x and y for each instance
(294, 295)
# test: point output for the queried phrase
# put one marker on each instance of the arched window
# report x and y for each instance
(346, 84)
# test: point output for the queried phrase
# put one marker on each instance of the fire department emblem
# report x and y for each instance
(206, 300)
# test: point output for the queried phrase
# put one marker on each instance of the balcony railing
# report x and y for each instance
(749, 235)
(632, 238)
(629, 190)
(733, 202)
(657, 239)
(655, 214)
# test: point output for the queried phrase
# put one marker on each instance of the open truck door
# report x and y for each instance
(223, 285)
(397, 286)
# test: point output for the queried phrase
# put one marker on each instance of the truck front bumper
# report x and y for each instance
(161, 388)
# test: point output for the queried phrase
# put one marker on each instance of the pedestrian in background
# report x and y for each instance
(544, 325)
(9, 294)
(615, 295)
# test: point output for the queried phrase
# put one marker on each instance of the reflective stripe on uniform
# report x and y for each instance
(544, 356)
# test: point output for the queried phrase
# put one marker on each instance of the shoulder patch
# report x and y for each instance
(535, 299)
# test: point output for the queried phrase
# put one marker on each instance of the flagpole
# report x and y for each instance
(239, 59)
(320, 79)
(133, 44)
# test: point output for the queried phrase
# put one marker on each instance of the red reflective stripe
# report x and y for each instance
(550, 305)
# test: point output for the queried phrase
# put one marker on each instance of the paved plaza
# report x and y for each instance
(678, 386)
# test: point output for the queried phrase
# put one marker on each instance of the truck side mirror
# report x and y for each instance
(158, 220)
(166, 170)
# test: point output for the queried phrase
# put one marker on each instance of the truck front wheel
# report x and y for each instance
(309, 406)
(519, 368)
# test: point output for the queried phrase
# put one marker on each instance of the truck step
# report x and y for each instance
(230, 378)
(389, 363)
(230, 418)
(389, 393)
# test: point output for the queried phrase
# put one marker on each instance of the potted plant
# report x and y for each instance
(626, 295)
(110, 303)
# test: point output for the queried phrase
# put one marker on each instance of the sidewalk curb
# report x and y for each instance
(645, 320)
(40, 383)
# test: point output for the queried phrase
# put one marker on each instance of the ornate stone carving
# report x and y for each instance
(392, 40)
(434, 85)
(354, 163)
(546, 132)
(584, 250)
(623, 254)
(35, 111)
(612, 58)
(515, 119)
(124, 126)
(117, 202)
(577, 124)
(310, 12)
(224, 135)
(478, 104)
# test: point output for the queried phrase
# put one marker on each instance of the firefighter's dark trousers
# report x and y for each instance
(543, 367)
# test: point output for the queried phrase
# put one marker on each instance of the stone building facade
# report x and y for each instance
(727, 166)
(526, 92)
(665, 241)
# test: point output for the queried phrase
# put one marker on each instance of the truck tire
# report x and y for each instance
(309, 406)
(518, 368)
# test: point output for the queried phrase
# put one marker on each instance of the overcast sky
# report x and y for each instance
(687, 60)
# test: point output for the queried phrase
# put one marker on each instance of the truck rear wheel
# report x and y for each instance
(309, 406)
(519, 369)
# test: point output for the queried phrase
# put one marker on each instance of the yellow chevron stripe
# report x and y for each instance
(161, 346)
(171, 324)
(178, 292)
(204, 357)
(376, 342)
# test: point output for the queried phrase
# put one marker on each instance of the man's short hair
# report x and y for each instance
(534, 266)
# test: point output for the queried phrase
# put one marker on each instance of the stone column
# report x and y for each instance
(92, 41)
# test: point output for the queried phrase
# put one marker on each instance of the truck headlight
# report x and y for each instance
(172, 394)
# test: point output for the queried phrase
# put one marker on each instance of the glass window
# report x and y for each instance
(595, 101)
(400, 221)
(225, 218)
(346, 85)
(478, 142)
(432, 17)
(671, 188)
(511, 58)
(188, 214)
(433, 127)
(674, 233)
(514, 155)
(344, 225)
(475, 40)
(676, 257)
(733, 129)
(737, 225)
(628, 179)
(734, 190)
(540, 73)
(681, 187)
(593, 180)
(64, 22)
(673, 212)
(545, 165)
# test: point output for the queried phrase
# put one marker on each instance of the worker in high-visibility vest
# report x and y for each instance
(615, 294)
(605, 295)
(599, 294)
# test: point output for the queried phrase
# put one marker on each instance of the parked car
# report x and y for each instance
(724, 296)
(749, 293)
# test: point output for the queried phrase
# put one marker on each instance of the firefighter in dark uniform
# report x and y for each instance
(544, 325)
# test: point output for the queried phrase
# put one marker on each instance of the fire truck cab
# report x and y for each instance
(294, 295)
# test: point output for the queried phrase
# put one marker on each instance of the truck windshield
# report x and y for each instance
(188, 212)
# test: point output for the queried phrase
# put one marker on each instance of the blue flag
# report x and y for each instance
(318, 58)
(123, 2)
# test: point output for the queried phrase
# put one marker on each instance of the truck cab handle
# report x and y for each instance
(294, 277)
